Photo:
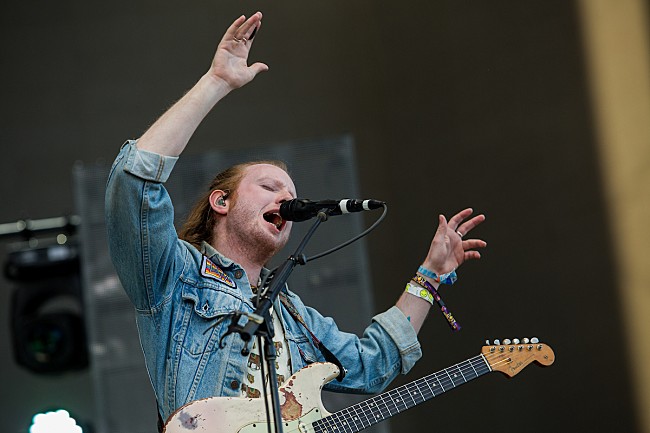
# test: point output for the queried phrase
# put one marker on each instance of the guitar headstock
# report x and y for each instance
(510, 357)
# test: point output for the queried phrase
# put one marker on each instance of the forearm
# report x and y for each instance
(229, 70)
(172, 131)
(414, 308)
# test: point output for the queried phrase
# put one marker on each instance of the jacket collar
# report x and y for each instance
(215, 256)
(223, 261)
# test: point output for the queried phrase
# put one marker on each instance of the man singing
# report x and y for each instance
(185, 288)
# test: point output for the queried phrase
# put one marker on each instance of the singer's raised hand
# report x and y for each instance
(229, 70)
(230, 62)
(449, 247)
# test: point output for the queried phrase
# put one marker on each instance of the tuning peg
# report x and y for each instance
(507, 341)
(487, 342)
(515, 341)
(497, 342)
(534, 340)
(526, 341)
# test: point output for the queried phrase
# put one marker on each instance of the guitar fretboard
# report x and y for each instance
(362, 415)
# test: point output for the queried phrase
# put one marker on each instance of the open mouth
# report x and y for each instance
(275, 219)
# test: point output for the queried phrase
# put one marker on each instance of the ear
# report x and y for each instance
(219, 202)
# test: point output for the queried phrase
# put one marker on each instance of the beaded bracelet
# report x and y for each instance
(448, 278)
(420, 292)
(420, 281)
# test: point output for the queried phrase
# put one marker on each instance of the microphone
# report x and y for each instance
(301, 209)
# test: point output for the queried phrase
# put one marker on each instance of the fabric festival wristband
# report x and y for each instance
(420, 292)
(455, 326)
(448, 278)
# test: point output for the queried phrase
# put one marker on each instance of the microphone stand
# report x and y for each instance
(260, 322)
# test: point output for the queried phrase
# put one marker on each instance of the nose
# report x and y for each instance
(284, 196)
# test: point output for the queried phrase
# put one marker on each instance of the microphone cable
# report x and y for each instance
(264, 284)
(354, 239)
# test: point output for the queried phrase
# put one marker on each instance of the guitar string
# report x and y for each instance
(363, 413)
(416, 385)
(386, 402)
(465, 366)
(416, 390)
(332, 421)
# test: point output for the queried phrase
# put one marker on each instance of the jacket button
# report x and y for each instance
(234, 384)
(239, 273)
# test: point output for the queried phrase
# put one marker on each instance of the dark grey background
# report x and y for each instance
(451, 104)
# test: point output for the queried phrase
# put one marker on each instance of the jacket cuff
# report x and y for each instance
(402, 333)
(147, 165)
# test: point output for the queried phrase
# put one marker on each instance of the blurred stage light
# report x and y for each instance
(48, 330)
(58, 421)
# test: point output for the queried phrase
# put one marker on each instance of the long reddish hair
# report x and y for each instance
(199, 225)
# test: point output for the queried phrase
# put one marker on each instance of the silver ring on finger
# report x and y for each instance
(460, 234)
(236, 39)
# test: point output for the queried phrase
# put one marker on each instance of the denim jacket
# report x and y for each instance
(184, 298)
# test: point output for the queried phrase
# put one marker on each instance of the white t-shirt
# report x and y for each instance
(251, 386)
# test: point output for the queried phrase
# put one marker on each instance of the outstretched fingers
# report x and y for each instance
(471, 255)
(457, 219)
(232, 30)
(470, 246)
(463, 228)
(230, 63)
(254, 28)
(244, 30)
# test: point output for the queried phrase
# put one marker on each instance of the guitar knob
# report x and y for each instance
(515, 341)
(487, 342)
(497, 342)
(507, 341)
(526, 341)
(534, 340)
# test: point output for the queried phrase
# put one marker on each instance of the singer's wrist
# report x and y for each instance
(449, 278)
(419, 291)
(430, 280)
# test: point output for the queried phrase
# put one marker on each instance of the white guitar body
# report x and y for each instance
(300, 406)
(302, 410)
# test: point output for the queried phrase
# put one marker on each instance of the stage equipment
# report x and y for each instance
(47, 321)
(58, 421)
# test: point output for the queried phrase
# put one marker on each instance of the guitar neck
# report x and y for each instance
(369, 412)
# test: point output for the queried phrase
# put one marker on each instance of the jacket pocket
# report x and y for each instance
(206, 313)
(302, 346)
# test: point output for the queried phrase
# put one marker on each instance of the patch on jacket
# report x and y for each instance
(210, 270)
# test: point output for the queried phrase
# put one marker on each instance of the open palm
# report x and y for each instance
(230, 62)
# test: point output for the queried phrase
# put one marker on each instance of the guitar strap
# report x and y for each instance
(329, 356)
(161, 424)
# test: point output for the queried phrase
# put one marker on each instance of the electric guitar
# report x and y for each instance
(302, 409)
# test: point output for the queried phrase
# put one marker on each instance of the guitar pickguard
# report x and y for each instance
(301, 425)
(300, 405)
